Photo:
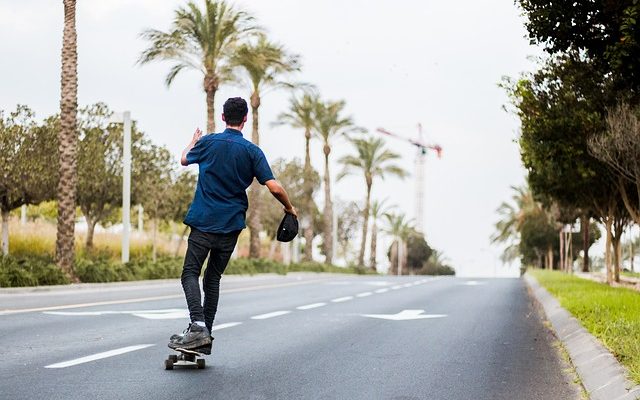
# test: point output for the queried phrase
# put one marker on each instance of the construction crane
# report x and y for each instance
(420, 163)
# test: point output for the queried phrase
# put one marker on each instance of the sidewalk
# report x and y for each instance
(603, 377)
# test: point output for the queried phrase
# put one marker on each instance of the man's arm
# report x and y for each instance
(281, 195)
(196, 136)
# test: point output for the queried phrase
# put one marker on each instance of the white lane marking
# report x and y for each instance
(382, 290)
(396, 287)
(405, 315)
(341, 299)
(377, 283)
(171, 313)
(99, 356)
(407, 285)
(310, 306)
(226, 325)
(474, 283)
(416, 283)
(270, 315)
(365, 294)
(143, 299)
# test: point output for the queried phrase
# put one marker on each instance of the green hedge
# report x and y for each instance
(37, 271)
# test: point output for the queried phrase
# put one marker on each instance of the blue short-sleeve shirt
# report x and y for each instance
(227, 164)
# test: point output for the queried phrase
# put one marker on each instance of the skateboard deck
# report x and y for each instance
(186, 358)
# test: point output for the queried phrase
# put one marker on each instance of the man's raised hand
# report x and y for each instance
(196, 136)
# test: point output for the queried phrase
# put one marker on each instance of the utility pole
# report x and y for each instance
(125, 120)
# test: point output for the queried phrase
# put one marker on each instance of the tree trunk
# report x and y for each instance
(374, 245)
(393, 258)
(154, 249)
(91, 227)
(617, 257)
(550, 256)
(585, 222)
(5, 232)
(67, 142)
(328, 209)
(308, 194)
(254, 208)
(632, 255)
(365, 223)
(561, 267)
(607, 251)
(210, 88)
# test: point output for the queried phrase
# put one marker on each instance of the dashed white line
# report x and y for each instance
(396, 287)
(270, 315)
(227, 325)
(99, 356)
(341, 299)
(310, 306)
(364, 294)
(383, 290)
(407, 285)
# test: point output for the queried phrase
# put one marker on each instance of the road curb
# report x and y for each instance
(603, 377)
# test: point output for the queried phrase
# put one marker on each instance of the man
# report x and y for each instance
(227, 164)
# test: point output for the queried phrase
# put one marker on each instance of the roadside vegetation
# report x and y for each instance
(610, 314)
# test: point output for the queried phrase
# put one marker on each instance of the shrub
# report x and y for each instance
(29, 271)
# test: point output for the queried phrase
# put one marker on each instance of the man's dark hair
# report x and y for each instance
(234, 110)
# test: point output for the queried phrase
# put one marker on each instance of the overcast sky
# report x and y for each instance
(395, 63)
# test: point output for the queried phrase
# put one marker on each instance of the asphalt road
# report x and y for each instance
(302, 336)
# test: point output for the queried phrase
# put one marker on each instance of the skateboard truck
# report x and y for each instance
(186, 358)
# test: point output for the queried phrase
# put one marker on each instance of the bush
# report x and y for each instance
(29, 271)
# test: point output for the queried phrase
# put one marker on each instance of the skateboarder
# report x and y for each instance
(227, 164)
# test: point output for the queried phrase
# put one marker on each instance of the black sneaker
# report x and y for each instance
(206, 349)
(195, 336)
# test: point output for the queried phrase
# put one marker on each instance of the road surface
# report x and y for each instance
(303, 336)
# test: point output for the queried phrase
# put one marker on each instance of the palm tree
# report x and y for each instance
(300, 115)
(264, 63)
(372, 160)
(68, 138)
(203, 41)
(512, 216)
(400, 229)
(378, 208)
(328, 123)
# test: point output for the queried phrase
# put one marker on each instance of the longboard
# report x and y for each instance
(186, 358)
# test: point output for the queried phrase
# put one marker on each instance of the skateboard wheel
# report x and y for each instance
(173, 358)
(201, 363)
(168, 364)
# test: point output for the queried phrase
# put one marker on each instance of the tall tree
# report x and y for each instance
(400, 229)
(373, 161)
(67, 140)
(329, 123)
(378, 209)
(265, 64)
(202, 40)
(27, 152)
(300, 115)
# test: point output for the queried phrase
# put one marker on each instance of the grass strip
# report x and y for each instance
(610, 314)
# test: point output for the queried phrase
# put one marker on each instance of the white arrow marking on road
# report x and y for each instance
(310, 306)
(405, 315)
(171, 313)
(99, 356)
(270, 315)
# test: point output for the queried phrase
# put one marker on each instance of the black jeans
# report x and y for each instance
(219, 247)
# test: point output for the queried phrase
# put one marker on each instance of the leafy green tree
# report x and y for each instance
(418, 252)
(372, 160)
(67, 142)
(265, 64)
(300, 115)
(607, 32)
(27, 152)
(330, 122)
(201, 40)
(560, 107)
(99, 167)
(180, 197)
(348, 222)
